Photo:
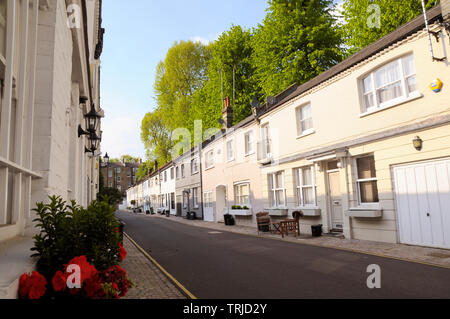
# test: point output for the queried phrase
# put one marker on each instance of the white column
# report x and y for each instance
(6, 109)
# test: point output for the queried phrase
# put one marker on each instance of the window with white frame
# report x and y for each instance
(230, 151)
(177, 172)
(185, 200)
(165, 176)
(194, 166)
(172, 173)
(119, 179)
(195, 197)
(182, 170)
(366, 180)
(304, 119)
(207, 199)
(110, 184)
(389, 84)
(249, 143)
(119, 188)
(209, 159)
(110, 173)
(305, 186)
(242, 194)
(277, 191)
(119, 170)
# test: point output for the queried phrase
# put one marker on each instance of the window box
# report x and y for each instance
(364, 212)
(241, 212)
(278, 212)
(310, 211)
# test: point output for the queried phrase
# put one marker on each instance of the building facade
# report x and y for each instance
(363, 149)
(49, 58)
(119, 175)
(188, 183)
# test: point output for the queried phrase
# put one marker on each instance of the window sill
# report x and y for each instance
(309, 211)
(307, 133)
(388, 105)
(278, 211)
(208, 168)
(249, 154)
(365, 212)
(241, 212)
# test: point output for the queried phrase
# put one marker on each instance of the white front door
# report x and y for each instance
(335, 200)
(221, 203)
(422, 194)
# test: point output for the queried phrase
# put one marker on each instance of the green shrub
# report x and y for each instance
(111, 195)
(68, 231)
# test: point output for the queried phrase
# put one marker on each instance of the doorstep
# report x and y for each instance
(15, 260)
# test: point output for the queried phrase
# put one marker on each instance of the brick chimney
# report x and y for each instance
(445, 6)
(156, 165)
(227, 114)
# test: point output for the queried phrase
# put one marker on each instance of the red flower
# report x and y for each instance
(93, 287)
(59, 281)
(32, 287)
(122, 252)
(87, 270)
(116, 276)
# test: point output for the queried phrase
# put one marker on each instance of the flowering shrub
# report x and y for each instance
(79, 251)
(32, 286)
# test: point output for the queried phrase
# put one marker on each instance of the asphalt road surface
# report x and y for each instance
(226, 265)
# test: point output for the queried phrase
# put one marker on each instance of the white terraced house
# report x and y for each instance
(49, 69)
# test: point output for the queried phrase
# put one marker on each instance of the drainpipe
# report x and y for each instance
(201, 178)
(348, 195)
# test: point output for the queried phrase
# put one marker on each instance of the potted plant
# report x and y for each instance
(240, 211)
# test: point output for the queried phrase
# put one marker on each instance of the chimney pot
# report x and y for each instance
(227, 114)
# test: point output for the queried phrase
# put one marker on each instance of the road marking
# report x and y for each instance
(168, 275)
(214, 232)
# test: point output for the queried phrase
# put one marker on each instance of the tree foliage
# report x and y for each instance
(297, 40)
(143, 170)
(156, 137)
(231, 57)
(369, 20)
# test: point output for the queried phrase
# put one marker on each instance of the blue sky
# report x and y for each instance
(138, 35)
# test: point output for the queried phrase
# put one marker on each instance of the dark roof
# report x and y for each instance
(401, 33)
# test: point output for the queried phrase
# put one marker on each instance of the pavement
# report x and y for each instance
(149, 281)
(222, 262)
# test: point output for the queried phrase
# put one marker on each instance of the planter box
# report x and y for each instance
(364, 213)
(241, 212)
(309, 212)
(279, 212)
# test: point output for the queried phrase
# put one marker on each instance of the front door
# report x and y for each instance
(335, 200)
(221, 202)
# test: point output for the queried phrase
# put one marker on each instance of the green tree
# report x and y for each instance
(144, 169)
(366, 21)
(111, 195)
(156, 137)
(177, 78)
(297, 40)
(231, 57)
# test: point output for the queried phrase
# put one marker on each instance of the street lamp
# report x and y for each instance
(106, 158)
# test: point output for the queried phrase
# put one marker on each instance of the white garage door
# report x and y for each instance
(423, 203)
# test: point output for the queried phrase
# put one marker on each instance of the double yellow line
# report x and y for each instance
(165, 272)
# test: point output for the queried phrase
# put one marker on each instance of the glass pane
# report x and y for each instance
(308, 196)
(412, 84)
(408, 65)
(307, 124)
(368, 100)
(307, 176)
(306, 112)
(366, 167)
(280, 198)
(367, 84)
(279, 180)
(244, 190)
(388, 74)
(369, 192)
(390, 92)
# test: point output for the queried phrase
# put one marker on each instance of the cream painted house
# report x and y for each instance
(49, 67)
(342, 144)
(231, 179)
